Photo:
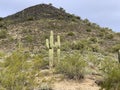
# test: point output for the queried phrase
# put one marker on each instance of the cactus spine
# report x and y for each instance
(50, 45)
(119, 56)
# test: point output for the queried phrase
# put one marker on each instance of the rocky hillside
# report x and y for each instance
(39, 12)
(32, 25)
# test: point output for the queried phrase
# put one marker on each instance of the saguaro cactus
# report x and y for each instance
(119, 56)
(50, 45)
(57, 44)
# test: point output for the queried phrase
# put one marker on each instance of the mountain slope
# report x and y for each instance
(39, 12)
(32, 26)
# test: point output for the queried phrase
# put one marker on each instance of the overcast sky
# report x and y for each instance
(106, 13)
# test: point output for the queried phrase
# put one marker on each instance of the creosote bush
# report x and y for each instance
(3, 34)
(109, 36)
(39, 63)
(14, 73)
(72, 66)
(20, 71)
(115, 48)
(80, 45)
(71, 34)
(111, 72)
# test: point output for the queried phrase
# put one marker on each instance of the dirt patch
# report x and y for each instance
(86, 84)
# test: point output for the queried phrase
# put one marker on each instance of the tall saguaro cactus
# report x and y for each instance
(58, 48)
(119, 56)
(50, 45)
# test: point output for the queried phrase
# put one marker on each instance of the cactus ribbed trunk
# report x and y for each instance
(58, 48)
(58, 55)
(50, 58)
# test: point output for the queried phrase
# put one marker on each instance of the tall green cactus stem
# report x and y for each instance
(51, 40)
(58, 48)
(50, 46)
(119, 56)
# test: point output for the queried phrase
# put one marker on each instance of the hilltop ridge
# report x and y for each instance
(40, 11)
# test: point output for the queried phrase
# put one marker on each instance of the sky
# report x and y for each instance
(105, 13)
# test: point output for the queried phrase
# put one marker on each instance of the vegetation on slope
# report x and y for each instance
(91, 49)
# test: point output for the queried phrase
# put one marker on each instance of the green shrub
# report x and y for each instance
(71, 34)
(1, 18)
(61, 9)
(30, 18)
(80, 45)
(14, 73)
(3, 34)
(39, 62)
(118, 34)
(2, 54)
(72, 66)
(78, 17)
(88, 30)
(115, 48)
(29, 38)
(109, 36)
(111, 71)
(101, 34)
(65, 46)
(95, 47)
(93, 39)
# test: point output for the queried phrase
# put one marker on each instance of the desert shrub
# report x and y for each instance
(118, 33)
(93, 39)
(39, 62)
(86, 21)
(30, 18)
(14, 73)
(2, 54)
(72, 66)
(88, 30)
(101, 34)
(71, 34)
(115, 48)
(111, 74)
(65, 46)
(1, 18)
(109, 36)
(78, 17)
(61, 9)
(89, 24)
(1, 25)
(45, 86)
(95, 47)
(80, 45)
(29, 38)
(3, 34)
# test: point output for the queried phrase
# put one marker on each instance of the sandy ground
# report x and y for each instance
(86, 84)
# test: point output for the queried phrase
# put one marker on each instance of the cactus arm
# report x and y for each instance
(58, 40)
(47, 43)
